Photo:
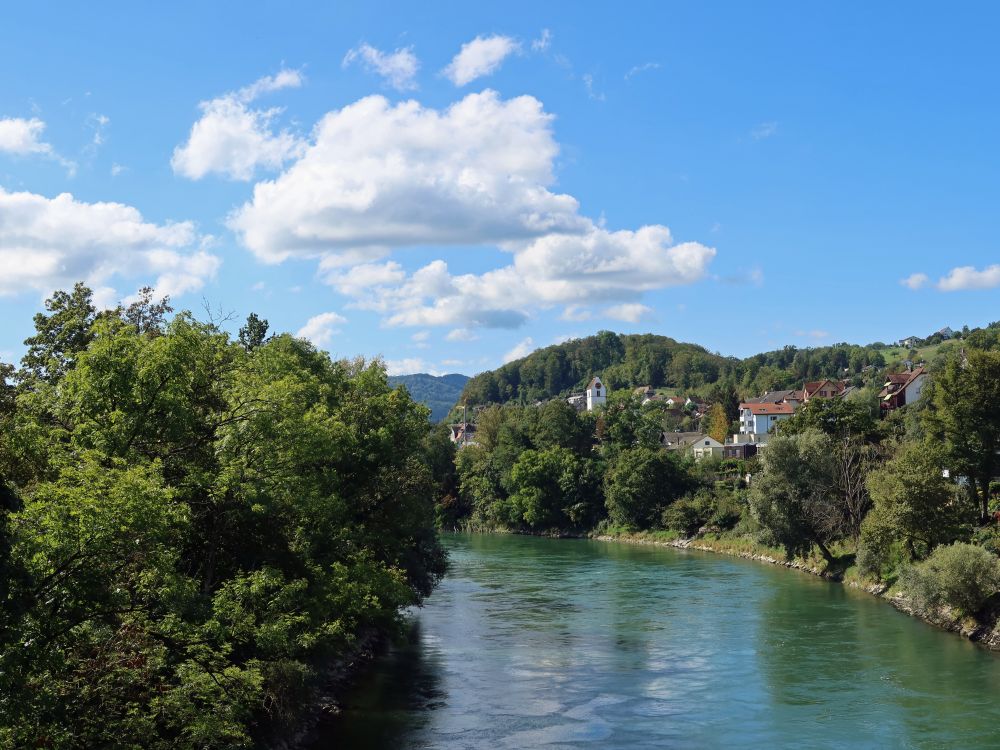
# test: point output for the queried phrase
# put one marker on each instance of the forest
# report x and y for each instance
(195, 529)
(633, 360)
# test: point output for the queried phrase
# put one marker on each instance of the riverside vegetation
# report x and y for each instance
(839, 489)
(193, 529)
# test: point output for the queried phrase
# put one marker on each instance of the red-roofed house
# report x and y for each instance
(759, 419)
(902, 388)
(822, 389)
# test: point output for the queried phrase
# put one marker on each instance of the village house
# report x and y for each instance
(901, 389)
(823, 389)
(700, 445)
(760, 419)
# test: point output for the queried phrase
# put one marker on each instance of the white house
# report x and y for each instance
(597, 394)
(760, 419)
(706, 447)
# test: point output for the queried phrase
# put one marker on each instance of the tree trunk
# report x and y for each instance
(825, 552)
(984, 498)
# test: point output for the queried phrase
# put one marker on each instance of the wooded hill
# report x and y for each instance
(631, 360)
(437, 392)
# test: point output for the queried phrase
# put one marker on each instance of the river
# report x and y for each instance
(548, 643)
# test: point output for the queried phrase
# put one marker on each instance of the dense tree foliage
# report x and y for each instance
(190, 528)
(964, 415)
(915, 508)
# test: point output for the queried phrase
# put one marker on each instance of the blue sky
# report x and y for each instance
(448, 185)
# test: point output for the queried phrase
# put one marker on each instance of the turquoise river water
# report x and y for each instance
(542, 643)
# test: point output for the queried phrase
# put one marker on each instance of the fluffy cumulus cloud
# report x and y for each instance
(234, 139)
(969, 277)
(320, 329)
(630, 312)
(376, 177)
(521, 350)
(379, 176)
(21, 137)
(398, 69)
(47, 243)
(483, 56)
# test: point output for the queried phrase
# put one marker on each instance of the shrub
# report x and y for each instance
(960, 575)
(683, 516)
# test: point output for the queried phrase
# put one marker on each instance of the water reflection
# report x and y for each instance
(556, 643)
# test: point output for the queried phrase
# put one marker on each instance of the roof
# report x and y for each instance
(684, 439)
(594, 380)
(761, 410)
(776, 397)
(810, 389)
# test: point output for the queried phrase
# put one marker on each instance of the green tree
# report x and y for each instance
(964, 415)
(254, 332)
(202, 527)
(147, 316)
(61, 334)
(795, 495)
(913, 506)
(639, 484)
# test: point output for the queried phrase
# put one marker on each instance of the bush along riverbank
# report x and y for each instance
(903, 506)
(199, 536)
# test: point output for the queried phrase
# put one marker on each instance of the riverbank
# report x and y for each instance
(335, 682)
(983, 629)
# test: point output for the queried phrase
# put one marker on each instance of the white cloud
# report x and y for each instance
(480, 57)
(915, 281)
(445, 362)
(47, 243)
(523, 349)
(233, 139)
(968, 277)
(420, 336)
(764, 130)
(630, 312)
(636, 69)
(461, 334)
(378, 177)
(543, 42)
(409, 366)
(320, 329)
(576, 313)
(588, 82)
(21, 137)
(117, 169)
(398, 68)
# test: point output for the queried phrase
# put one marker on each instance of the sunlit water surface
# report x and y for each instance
(573, 644)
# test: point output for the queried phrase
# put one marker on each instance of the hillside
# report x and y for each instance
(437, 392)
(626, 361)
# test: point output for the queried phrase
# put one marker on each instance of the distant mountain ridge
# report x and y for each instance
(438, 392)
